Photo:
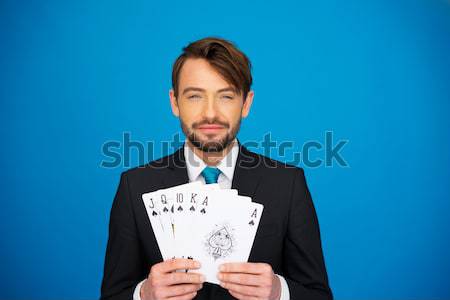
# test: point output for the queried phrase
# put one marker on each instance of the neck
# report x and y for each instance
(211, 158)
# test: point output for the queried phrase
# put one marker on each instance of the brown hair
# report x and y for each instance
(224, 57)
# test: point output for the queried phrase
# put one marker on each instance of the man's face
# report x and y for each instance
(209, 108)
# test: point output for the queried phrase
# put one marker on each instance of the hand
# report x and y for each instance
(163, 282)
(248, 281)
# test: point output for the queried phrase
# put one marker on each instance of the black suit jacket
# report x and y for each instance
(287, 238)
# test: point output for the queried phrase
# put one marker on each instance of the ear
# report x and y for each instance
(174, 103)
(247, 104)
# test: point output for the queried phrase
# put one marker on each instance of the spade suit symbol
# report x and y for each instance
(192, 208)
(203, 211)
(165, 209)
(154, 213)
(180, 208)
(251, 223)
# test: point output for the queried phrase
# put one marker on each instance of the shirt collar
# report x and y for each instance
(195, 164)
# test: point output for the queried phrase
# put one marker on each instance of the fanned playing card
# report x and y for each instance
(225, 234)
(199, 204)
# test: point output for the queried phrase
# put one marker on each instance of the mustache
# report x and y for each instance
(212, 122)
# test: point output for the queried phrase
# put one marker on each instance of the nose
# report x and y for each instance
(209, 109)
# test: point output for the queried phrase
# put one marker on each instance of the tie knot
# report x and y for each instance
(211, 174)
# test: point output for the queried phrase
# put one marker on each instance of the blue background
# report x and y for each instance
(76, 74)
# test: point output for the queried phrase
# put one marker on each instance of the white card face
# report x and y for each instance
(154, 214)
(203, 222)
(157, 206)
(184, 206)
(225, 234)
(181, 203)
(196, 205)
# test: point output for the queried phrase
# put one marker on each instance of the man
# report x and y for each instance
(210, 94)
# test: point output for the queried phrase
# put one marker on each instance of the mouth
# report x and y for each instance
(210, 128)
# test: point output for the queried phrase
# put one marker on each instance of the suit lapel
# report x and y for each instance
(177, 169)
(246, 176)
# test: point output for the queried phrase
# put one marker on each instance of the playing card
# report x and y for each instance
(154, 213)
(225, 234)
(196, 205)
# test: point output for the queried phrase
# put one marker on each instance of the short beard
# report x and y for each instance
(211, 147)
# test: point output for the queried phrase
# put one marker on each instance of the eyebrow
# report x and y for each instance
(196, 89)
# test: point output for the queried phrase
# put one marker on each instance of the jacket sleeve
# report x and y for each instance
(124, 263)
(303, 261)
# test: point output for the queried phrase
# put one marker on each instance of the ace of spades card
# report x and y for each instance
(224, 234)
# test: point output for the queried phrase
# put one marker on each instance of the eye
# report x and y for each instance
(194, 97)
(227, 97)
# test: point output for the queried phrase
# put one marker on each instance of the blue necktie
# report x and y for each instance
(210, 174)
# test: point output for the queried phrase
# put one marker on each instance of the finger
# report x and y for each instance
(174, 264)
(243, 278)
(250, 268)
(184, 297)
(177, 278)
(181, 289)
(244, 289)
(241, 296)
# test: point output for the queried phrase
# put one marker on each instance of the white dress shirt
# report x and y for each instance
(195, 166)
